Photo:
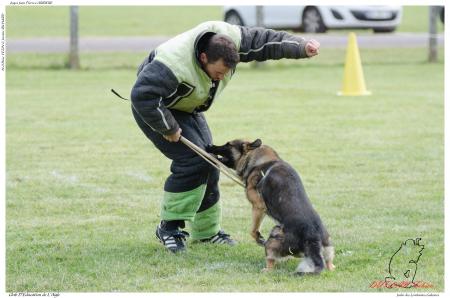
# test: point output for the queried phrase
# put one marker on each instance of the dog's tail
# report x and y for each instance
(313, 261)
(305, 237)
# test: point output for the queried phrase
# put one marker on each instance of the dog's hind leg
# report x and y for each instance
(328, 251)
(328, 255)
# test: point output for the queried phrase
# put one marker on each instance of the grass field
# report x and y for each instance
(83, 183)
(143, 21)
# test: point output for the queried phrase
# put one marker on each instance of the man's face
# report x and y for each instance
(216, 71)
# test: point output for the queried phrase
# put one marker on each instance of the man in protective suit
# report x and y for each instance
(176, 83)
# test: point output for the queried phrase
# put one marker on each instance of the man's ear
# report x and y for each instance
(256, 144)
(203, 58)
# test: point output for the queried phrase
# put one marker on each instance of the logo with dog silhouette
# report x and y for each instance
(403, 267)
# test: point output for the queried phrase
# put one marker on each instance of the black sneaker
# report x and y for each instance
(220, 238)
(173, 240)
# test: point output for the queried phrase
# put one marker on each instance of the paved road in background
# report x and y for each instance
(146, 44)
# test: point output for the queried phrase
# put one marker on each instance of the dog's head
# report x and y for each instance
(234, 151)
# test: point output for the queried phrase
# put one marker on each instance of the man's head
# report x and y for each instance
(219, 56)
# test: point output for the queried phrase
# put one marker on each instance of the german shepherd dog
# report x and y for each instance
(275, 188)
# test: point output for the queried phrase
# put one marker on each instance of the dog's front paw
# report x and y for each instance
(259, 238)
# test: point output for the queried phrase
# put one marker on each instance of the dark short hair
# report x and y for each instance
(220, 46)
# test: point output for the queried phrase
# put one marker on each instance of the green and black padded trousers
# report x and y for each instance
(191, 192)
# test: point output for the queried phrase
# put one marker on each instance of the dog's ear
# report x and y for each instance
(256, 144)
(247, 146)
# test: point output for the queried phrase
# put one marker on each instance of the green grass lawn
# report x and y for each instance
(142, 21)
(83, 184)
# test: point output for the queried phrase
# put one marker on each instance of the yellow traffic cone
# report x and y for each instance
(354, 84)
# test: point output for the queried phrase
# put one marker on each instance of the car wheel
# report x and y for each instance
(384, 30)
(232, 17)
(312, 21)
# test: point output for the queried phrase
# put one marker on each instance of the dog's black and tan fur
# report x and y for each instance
(273, 187)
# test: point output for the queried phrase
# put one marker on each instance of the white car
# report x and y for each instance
(317, 18)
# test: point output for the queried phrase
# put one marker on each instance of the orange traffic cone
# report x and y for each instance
(354, 84)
